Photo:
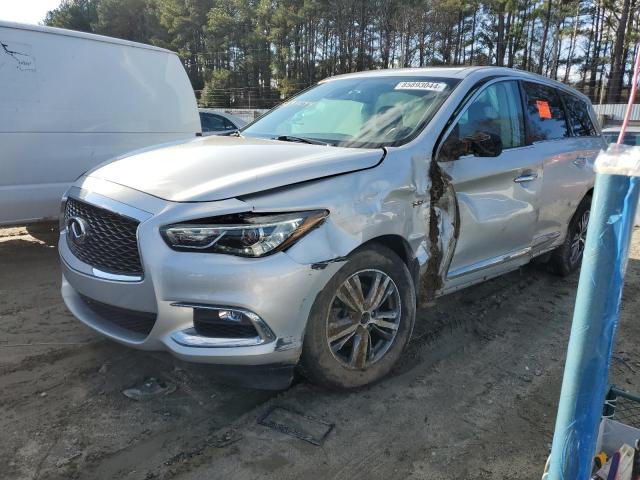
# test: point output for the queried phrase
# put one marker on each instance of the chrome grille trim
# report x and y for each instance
(114, 277)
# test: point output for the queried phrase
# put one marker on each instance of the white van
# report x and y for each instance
(70, 101)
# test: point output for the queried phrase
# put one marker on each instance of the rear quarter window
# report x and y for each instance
(579, 118)
(545, 113)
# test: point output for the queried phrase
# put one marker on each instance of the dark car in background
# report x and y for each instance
(215, 122)
(631, 136)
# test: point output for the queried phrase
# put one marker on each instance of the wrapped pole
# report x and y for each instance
(597, 308)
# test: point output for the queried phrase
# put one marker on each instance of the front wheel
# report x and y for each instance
(568, 257)
(360, 322)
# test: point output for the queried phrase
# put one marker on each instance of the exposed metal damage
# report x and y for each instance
(443, 229)
(323, 265)
(427, 197)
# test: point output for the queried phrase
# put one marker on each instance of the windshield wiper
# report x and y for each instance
(289, 138)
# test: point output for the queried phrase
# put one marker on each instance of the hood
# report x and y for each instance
(215, 168)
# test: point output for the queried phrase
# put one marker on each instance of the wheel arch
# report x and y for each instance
(589, 194)
(400, 246)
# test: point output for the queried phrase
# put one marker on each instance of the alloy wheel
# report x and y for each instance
(363, 319)
(578, 238)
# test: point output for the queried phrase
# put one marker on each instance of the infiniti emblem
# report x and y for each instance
(78, 229)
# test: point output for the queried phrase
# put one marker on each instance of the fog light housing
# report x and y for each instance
(215, 326)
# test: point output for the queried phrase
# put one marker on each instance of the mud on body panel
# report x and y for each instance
(444, 226)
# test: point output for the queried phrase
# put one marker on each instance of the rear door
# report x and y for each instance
(498, 197)
(561, 129)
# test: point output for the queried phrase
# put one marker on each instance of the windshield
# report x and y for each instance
(357, 112)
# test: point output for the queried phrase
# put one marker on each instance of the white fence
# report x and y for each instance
(614, 112)
(246, 114)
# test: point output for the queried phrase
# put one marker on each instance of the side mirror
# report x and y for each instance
(484, 144)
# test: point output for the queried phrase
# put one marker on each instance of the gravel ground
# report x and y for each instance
(473, 398)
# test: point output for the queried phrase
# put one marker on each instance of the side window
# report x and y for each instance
(578, 116)
(545, 113)
(228, 125)
(494, 119)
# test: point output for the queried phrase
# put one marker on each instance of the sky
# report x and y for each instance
(26, 11)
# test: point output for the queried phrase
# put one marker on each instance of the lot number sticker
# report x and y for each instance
(431, 86)
(543, 109)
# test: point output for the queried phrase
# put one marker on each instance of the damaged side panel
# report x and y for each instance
(444, 228)
(404, 199)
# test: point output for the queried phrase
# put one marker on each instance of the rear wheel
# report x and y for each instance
(568, 257)
(360, 322)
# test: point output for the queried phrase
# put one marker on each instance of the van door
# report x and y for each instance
(498, 197)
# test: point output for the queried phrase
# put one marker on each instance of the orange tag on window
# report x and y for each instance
(543, 109)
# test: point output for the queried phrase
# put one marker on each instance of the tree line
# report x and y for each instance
(255, 52)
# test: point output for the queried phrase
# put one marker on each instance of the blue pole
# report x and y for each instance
(595, 319)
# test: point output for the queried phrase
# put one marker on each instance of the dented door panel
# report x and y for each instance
(497, 214)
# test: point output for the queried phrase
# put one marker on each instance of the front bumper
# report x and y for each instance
(278, 289)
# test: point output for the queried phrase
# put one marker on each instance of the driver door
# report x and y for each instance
(497, 196)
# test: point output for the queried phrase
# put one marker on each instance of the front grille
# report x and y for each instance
(132, 320)
(110, 243)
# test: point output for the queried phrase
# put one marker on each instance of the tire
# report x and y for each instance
(46, 232)
(374, 340)
(567, 258)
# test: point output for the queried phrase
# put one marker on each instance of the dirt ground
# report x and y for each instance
(473, 398)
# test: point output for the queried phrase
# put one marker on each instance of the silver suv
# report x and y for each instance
(309, 237)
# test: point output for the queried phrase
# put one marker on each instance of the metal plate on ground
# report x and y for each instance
(296, 424)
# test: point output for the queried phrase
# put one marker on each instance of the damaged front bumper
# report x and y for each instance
(159, 310)
(279, 291)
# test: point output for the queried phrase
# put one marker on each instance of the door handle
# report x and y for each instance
(580, 161)
(526, 177)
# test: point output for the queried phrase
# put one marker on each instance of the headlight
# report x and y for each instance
(246, 235)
